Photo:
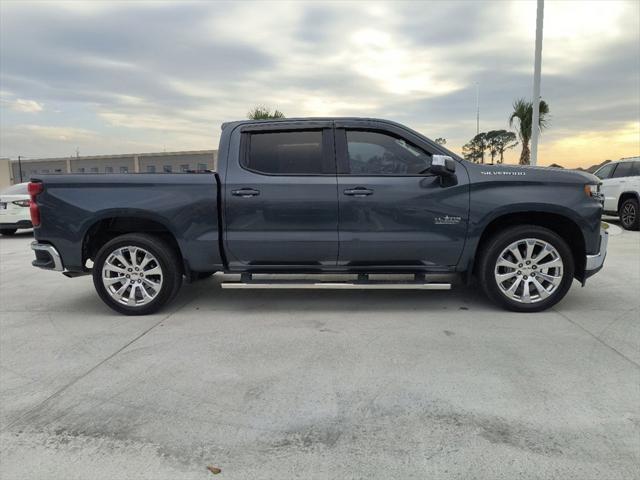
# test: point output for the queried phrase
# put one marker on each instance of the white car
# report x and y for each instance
(621, 187)
(14, 209)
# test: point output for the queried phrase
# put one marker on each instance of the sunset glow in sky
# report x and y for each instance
(149, 76)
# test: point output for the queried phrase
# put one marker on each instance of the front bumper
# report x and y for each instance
(593, 263)
(47, 257)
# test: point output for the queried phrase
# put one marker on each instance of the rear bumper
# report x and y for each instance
(18, 224)
(593, 263)
(47, 257)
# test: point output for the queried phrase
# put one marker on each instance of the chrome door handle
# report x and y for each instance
(245, 192)
(358, 192)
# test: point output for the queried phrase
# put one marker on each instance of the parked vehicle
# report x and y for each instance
(355, 197)
(14, 209)
(621, 190)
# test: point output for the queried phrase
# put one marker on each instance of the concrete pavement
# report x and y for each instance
(329, 384)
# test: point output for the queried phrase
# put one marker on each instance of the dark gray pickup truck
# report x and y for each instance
(375, 204)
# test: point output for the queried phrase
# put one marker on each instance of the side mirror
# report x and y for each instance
(443, 165)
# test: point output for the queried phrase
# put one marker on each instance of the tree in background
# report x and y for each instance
(475, 148)
(523, 112)
(260, 112)
(441, 141)
(498, 141)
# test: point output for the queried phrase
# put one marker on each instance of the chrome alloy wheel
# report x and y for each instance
(628, 214)
(529, 270)
(132, 276)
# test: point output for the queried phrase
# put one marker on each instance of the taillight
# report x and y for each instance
(22, 203)
(34, 189)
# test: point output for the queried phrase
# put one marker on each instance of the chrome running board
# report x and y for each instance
(371, 285)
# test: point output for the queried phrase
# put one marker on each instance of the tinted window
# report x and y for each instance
(635, 169)
(374, 153)
(623, 170)
(286, 153)
(605, 172)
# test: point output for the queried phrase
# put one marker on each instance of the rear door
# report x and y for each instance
(281, 206)
(393, 212)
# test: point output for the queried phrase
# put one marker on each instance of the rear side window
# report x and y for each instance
(375, 153)
(623, 170)
(286, 153)
(635, 169)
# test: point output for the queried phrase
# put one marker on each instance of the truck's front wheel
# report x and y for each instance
(629, 215)
(136, 274)
(526, 268)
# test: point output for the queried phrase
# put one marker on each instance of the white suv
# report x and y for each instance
(621, 187)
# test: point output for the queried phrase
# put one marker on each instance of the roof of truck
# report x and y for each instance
(307, 119)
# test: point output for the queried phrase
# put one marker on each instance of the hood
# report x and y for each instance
(530, 173)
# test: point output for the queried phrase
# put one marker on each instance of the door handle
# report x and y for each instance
(358, 192)
(245, 192)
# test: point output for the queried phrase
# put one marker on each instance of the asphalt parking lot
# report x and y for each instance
(329, 384)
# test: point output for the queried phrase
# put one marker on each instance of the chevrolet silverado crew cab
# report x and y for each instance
(371, 202)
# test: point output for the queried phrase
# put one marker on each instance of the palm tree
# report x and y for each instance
(523, 112)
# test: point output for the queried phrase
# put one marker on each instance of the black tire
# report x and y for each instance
(8, 231)
(630, 214)
(492, 250)
(168, 262)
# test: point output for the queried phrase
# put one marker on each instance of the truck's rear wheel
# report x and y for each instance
(526, 268)
(136, 274)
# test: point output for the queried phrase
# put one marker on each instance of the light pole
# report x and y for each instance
(477, 108)
(20, 167)
(537, 66)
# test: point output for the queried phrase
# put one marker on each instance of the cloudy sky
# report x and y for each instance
(130, 76)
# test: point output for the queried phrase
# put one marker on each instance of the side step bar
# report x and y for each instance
(257, 284)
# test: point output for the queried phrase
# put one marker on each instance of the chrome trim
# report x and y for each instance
(337, 285)
(593, 262)
(51, 250)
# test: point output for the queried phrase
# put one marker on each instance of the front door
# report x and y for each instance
(281, 206)
(393, 211)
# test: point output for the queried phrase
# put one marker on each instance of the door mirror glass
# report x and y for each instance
(443, 165)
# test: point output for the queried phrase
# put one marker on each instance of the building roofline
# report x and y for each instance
(120, 155)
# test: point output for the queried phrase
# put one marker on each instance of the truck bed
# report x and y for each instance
(186, 205)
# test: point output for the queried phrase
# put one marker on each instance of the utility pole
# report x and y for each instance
(20, 167)
(537, 67)
(477, 108)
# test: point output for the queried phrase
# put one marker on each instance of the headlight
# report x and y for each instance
(21, 203)
(593, 191)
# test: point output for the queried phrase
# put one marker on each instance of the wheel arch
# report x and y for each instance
(625, 196)
(111, 225)
(561, 224)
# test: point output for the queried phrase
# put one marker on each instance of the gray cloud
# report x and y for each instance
(172, 72)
